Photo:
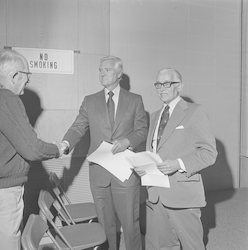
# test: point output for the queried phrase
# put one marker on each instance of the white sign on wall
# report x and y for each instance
(48, 60)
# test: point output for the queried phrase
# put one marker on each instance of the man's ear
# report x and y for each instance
(180, 87)
(120, 74)
(12, 76)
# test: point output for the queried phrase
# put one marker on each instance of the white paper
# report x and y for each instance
(148, 162)
(116, 164)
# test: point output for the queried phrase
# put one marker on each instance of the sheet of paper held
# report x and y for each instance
(148, 160)
(116, 164)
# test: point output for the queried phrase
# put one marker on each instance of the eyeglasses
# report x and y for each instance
(23, 72)
(158, 85)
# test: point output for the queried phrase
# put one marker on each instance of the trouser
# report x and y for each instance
(11, 214)
(123, 202)
(178, 228)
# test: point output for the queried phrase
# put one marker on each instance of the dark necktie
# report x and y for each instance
(163, 121)
(111, 109)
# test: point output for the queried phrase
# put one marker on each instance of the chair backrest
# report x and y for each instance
(46, 202)
(34, 231)
(57, 188)
(59, 192)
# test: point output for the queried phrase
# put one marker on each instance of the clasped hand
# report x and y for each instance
(61, 147)
(120, 145)
(166, 167)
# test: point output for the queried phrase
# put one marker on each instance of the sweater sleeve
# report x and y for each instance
(17, 129)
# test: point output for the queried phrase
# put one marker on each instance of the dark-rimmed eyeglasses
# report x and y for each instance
(158, 85)
(23, 72)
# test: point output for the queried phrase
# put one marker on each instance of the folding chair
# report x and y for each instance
(33, 232)
(77, 212)
(73, 236)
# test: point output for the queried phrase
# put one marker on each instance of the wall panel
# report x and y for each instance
(200, 38)
(42, 24)
(52, 100)
(244, 103)
(93, 26)
(3, 20)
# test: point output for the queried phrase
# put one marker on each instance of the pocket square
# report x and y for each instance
(180, 127)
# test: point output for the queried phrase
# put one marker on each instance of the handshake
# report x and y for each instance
(63, 147)
(118, 146)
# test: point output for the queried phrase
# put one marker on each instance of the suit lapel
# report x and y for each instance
(121, 108)
(102, 107)
(153, 123)
(177, 116)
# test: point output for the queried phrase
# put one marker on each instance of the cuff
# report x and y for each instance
(182, 166)
(67, 147)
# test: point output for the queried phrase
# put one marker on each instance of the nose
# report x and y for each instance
(163, 88)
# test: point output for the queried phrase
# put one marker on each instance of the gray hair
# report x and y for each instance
(11, 60)
(118, 62)
(173, 72)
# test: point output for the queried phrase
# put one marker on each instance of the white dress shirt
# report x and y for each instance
(171, 105)
(115, 97)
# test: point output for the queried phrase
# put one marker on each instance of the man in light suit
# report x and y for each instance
(186, 147)
(111, 196)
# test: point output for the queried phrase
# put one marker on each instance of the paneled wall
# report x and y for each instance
(52, 100)
(200, 38)
(244, 98)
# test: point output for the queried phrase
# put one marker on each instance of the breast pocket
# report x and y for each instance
(181, 177)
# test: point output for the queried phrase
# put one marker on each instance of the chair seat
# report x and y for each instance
(47, 247)
(80, 211)
(82, 235)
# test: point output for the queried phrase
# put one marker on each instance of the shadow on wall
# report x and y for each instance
(37, 177)
(32, 105)
(77, 159)
(219, 172)
(125, 82)
(225, 181)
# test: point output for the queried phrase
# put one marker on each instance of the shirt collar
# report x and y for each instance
(173, 103)
(116, 91)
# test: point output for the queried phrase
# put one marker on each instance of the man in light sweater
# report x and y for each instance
(18, 145)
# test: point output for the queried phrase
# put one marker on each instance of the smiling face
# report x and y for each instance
(109, 74)
(168, 94)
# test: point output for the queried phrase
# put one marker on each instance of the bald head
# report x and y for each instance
(172, 74)
(169, 82)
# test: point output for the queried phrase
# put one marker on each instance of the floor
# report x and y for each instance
(225, 220)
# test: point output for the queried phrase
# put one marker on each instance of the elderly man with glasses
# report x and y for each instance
(180, 134)
(18, 145)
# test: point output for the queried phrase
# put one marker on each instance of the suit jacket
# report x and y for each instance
(188, 136)
(130, 123)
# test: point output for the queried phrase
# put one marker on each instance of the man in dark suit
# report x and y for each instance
(111, 196)
(186, 146)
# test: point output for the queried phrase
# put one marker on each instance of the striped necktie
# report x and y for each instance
(163, 121)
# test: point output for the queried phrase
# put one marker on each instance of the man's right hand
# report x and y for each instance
(64, 147)
(139, 171)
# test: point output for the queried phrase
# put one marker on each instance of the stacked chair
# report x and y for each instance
(77, 212)
(35, 229)
(71, 236)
